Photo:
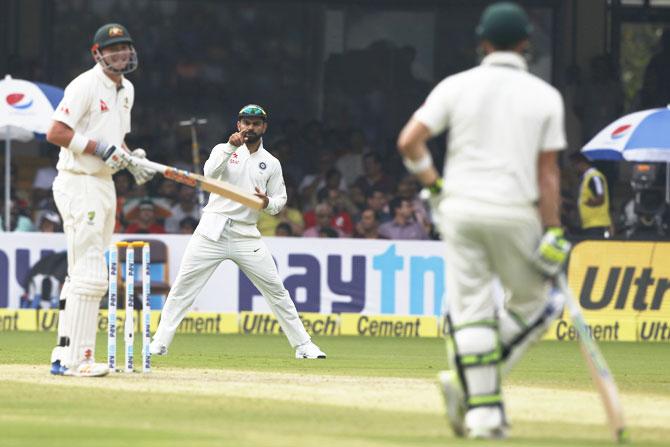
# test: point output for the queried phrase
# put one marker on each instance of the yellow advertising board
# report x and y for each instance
(623, 289)
(17, 320)
(315, 323)
(388, 326)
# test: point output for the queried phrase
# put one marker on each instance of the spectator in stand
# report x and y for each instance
(313, 182)
(408, 188)
(403, 225)
(284, 230)
(324, 219)
(339, 203)
(368, 226)
(289, 215)
(50, 223)
(357, 197)
(350, 162)
(146, 220)
(169, 190)
(374, 176)
(377, 200)
(187, 225)
(186, 206)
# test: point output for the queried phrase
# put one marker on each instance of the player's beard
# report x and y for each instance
(252, 138)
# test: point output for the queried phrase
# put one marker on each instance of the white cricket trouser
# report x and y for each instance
(488, 241)
(485, 242)
(249, 252)
(88, 206)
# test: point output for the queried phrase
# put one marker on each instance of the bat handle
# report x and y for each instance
(150, 164)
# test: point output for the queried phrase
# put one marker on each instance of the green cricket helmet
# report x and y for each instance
(111, 34)
(504, 24)
(252, 111)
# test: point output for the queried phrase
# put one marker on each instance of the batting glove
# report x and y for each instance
(433, 195)
(552, 252)
(115, 157)
(141, 174)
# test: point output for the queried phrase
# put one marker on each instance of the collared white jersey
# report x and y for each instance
(92, 106)
(247, 171)
(500, 117)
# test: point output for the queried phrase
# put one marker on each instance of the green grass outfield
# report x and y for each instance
(237, 390)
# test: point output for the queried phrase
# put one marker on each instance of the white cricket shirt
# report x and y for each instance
(93, 107)
(500, 117)
(246, 171)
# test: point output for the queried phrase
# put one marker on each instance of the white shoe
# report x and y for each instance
(485, 423)
(157, 348)
(87, 368)
(309, 351)
(454, 400)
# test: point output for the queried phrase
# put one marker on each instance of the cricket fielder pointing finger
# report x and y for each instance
(499, 194)
(227, 230)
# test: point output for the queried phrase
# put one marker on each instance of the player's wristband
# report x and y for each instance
(229, 148)
(101, 149)
(78, 143)
(417, 166)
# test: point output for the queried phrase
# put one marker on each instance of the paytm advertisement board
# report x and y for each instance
(623, 289)
(322, 275)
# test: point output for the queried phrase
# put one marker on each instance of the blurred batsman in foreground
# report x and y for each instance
(227, 230)
(500, 193)
(90, 125)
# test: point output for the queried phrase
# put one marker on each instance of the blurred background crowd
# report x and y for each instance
(338, 80)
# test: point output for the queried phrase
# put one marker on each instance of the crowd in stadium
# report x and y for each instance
(343, 175)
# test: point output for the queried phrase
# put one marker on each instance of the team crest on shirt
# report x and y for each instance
(103, 106)
(233, 159)
(262, 165)
(125, 103)
(90, 215)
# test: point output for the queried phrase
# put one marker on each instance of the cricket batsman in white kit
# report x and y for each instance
(90, 125)
(227, 230)
(499, 195)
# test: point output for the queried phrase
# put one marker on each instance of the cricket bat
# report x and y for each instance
(219, 187)
(600, 372)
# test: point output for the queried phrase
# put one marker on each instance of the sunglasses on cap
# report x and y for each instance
(252, 111)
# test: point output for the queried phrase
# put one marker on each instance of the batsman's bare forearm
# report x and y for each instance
(549, 182)
(412, 145)
(60, 134)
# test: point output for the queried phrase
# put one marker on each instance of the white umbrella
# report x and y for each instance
(25, 113)
(641, 137)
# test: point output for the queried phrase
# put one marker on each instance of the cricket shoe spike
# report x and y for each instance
(454, 400)
(486, 423)
(157, 348)
(309, 351)
(87, 368)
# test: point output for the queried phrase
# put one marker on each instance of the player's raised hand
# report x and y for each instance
(238, 138)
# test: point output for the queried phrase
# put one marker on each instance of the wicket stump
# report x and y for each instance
(129, 324)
